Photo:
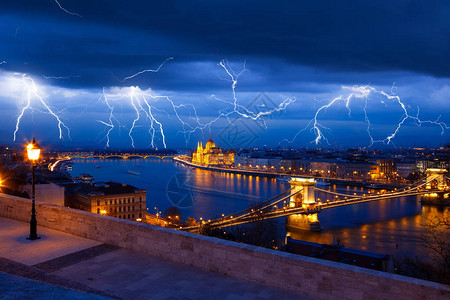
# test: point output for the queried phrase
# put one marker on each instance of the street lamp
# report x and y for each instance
(157, 214)
(33, 151)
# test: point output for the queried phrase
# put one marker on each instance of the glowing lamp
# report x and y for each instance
(33, 150)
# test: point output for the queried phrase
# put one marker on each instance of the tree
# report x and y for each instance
(171, 212)
(173, 215)
(415, 176)
(437, 238)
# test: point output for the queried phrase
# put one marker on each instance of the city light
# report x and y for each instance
(33, 151)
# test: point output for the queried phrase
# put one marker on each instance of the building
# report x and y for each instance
(357, 170)
(405, 168)
(113, 199)
(301, 166)
(324, 168)
(211, 155)
(240, 161)
(425, 164)
(258, 163)
(387, 169)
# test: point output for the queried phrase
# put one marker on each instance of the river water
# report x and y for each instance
(388, 226)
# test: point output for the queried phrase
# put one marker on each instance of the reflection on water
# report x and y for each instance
(386, 226)
(213, 194)
(393, 233)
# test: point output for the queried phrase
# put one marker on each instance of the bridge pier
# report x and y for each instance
(305, 199)
(308, 222)
(442, 195)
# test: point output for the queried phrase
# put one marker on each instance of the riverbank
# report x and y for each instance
(229, 170)
(336, 181)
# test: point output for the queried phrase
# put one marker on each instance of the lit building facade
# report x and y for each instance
(357, 170)
(404, 169)
(108, 198)
(210, 155)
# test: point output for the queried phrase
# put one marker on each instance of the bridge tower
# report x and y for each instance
(303, 190)
(438, 187)
(440, 182)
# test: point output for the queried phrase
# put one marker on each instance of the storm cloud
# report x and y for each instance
(301, 49)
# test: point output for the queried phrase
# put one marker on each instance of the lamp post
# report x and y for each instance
(33, 151)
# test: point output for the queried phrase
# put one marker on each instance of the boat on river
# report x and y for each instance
(374, 186)
(134, 173)
(85, 178)
(284, 178)
(321, 183)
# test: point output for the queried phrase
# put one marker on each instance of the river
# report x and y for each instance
(387, 226)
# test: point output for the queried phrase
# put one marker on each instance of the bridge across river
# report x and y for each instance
(124, 155)
(65, 156)
(302, 208)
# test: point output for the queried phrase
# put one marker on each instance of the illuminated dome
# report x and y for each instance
(210, 143)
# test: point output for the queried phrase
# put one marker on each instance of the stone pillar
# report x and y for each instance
(306, 194)
(304, 198)
(440, 182)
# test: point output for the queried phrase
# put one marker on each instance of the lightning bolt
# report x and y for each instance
(144, 105)
(241, 110)
(148, 70)
(17, 31)
(233, 107)
(111, 118)
(61, 77)
(66, 11)
(32, 91)
(363, 92)
(143, 109)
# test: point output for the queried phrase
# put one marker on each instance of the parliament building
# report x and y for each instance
(211, 155)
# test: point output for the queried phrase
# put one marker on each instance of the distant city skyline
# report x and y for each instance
(162, 74)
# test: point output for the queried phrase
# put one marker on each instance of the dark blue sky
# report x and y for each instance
(303, 50)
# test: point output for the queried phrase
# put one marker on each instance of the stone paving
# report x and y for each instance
(14, 287)
(52, 243)
(12, 268)
(74, 263)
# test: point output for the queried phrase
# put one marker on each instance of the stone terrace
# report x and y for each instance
(66, 262)
(169, 264)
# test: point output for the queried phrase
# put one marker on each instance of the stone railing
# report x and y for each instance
(305, 275)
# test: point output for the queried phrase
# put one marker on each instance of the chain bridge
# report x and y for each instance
(301, 207)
